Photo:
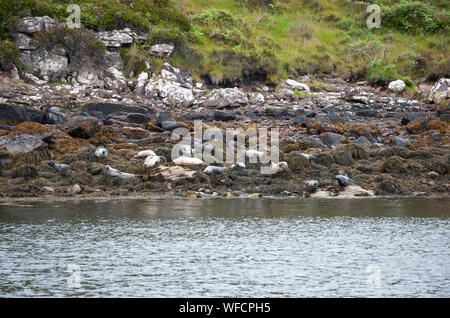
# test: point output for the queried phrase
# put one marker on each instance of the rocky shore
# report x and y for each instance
(393, 142)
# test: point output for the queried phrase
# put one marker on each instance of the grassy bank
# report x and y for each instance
(231, 41)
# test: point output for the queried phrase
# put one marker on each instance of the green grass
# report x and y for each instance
(232, 41)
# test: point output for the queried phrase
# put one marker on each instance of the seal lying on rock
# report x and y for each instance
(237, 166)
(280, 166)
(101, 152)
(308, 156)
(185, 161)
(60, 167)
(152, 161)
(145, 154)
(116, 173)
(214, 169)
(311, 185)
(344, 181)
(253, 154)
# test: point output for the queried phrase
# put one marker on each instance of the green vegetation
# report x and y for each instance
(8, 55)
(232, 41)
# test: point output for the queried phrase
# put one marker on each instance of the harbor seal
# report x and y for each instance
(237, 166)
(152, 161)
(214, 169)
(311, 185)
(116, 173)
(101, 152)
(145, 154)
(344, 181)
(186, 161)
(59, 167)
(280, 166)
(308, 156)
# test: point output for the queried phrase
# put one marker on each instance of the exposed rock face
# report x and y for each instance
(17, 114)
(440, 91)
(224, 116)
(24, 42)
(82, 127)
(88, 76)
(22, 143)
(171, 92)
(162, 50)
(117, 38)
(33, 25)
(49, 66)
(397, 86)
(225, 97)
(141, 82)
(176, 75)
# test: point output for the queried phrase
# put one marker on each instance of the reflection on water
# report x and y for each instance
(236, 248)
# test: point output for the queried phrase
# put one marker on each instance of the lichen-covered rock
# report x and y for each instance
(116, 38)
(176, 75)
(162, 50)
(31, 25)
(49, 66)
(225, 97)
(440, 91)
(24, 42)
(171, 92)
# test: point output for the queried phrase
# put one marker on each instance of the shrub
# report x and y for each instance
(9, 54)
(134, 59)
(81, 46)
(256, 4)
(415, 17)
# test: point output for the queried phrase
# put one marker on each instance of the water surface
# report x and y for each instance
(226, 248)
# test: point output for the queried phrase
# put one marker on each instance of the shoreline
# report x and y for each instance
(7, 201)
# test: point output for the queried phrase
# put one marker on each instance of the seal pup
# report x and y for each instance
(145, 154)
(116, 173)
(59, 167)
(344, 181)
(214, 169)
(101, 152)
(311, 185)
(237, 166)
(184, 160)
